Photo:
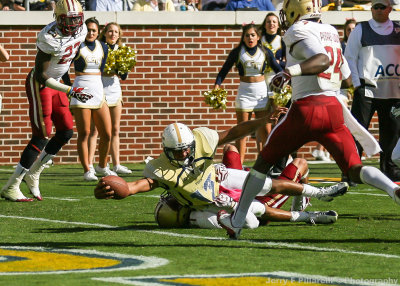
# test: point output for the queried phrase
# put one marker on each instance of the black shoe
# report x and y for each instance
(347, 179)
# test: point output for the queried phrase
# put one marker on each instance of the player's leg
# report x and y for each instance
(340, 144)
(62, 119)
(40, 109)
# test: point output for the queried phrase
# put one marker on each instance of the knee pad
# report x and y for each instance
(59, 140)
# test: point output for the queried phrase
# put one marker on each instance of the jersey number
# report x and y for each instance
(336, 62)
(68, 52)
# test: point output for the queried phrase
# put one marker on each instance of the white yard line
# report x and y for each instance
(165, 233)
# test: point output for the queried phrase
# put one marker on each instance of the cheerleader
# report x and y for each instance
(89, 64)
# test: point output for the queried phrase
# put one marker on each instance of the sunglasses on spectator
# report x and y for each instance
(379, 6)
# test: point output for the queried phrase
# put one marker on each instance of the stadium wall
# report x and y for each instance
(178, 57)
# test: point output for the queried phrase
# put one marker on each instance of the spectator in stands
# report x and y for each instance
(213, 5)
(108, 5)
(257, 5)
(153, 5)
(19, 5)
(349, 26)
(6, 5)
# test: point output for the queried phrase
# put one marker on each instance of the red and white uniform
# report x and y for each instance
(45, 104)
(315, 114)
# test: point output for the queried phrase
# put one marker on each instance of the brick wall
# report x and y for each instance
(175, 65)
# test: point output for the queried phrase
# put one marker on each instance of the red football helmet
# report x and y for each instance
(69, 16)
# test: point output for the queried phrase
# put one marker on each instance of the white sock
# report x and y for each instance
(253, 184)
(38, 165)
(299, 216)
(16, 178)
(374, 177)
(310, 191)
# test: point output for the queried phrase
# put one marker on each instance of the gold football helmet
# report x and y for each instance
(295, 10)
(170, 214)
(69, 16)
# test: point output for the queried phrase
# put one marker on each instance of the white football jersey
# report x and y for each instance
(61, 48)
(319, 38)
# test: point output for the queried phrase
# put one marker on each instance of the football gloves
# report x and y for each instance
(80, 93)
(396, 110)
(279, 82)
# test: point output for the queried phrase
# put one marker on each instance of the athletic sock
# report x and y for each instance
(374, 177)
(255, 183)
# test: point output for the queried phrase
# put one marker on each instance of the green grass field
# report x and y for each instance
(70, 238)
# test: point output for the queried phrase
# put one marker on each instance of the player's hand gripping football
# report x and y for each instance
(103, 191)
(279, 82)
(80, 93)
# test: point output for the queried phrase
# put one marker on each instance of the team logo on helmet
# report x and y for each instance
(177, 138)
(296, 10)
(69, 16)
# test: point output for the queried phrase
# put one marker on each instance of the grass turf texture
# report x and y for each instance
(368, 223)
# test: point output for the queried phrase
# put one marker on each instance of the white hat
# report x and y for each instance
(383, 2)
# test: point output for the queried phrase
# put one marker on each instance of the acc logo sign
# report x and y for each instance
(38, 260)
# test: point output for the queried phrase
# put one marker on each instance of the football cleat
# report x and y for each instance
(224, 220)
(14, 194)
(104, 171)
(32, 181)
(119, 169)
(90, 176)
(329, 193)
(300, 203)
(327, 217)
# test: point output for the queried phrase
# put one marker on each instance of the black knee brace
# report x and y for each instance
(32, 150)
(60, 139)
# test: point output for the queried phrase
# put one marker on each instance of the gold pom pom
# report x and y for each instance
(281, 99)
(216, 98)
(122, 60)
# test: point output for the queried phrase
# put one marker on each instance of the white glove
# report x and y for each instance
(279, 82)
(80, 93)
(224, 201)
(396, 110)
(220, 172)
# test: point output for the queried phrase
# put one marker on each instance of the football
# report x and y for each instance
(118, 185)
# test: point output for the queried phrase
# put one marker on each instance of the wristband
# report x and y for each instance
(52, 83)
(294, 70)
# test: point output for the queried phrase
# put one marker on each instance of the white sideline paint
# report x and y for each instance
(165, 233)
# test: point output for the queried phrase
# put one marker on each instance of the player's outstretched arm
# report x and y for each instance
(104, 191)
(247, 127)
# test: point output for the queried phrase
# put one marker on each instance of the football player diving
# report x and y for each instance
(186, 170)
(57, 45)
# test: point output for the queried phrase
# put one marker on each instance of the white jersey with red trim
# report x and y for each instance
(61, 48)
(318, 38)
